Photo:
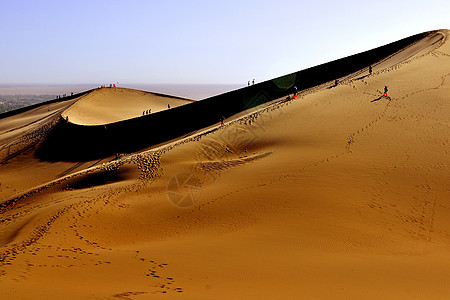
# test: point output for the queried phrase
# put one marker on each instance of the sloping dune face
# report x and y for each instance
(340, 193)
(109, 105)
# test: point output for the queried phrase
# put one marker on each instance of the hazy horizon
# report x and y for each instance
(189, 91)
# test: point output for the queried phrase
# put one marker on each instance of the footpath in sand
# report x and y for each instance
(340, 193)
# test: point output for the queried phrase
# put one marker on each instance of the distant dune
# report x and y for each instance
(339, 192)
(110, 105)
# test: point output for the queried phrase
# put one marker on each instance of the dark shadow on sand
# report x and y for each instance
(97, 178)
(362, 77)
(378, 99)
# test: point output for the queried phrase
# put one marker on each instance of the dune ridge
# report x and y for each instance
(125, 136)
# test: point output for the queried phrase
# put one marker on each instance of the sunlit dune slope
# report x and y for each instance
(109, 105)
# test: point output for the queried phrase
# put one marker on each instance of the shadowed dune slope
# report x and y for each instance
(340, 193)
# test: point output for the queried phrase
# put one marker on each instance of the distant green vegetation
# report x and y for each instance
(12, 102)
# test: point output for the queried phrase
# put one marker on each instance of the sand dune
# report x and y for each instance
(338, 193)
(109, 105)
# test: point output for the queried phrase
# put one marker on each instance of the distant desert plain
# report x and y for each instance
(338, 192)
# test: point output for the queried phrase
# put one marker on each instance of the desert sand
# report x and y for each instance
(339, 193)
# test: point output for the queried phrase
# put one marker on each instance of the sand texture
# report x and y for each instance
(340, 193)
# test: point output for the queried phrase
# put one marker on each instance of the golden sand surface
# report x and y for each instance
(340, 193)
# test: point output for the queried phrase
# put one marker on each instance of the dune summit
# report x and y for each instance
(109, 105)
(337, 193)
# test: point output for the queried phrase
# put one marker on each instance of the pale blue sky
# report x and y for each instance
(74, 42)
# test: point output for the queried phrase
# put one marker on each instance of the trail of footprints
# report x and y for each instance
(157, 274)
(160, 283)
(423, 212)
(149, 168)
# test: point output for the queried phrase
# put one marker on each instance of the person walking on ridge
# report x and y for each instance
(370, 70)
